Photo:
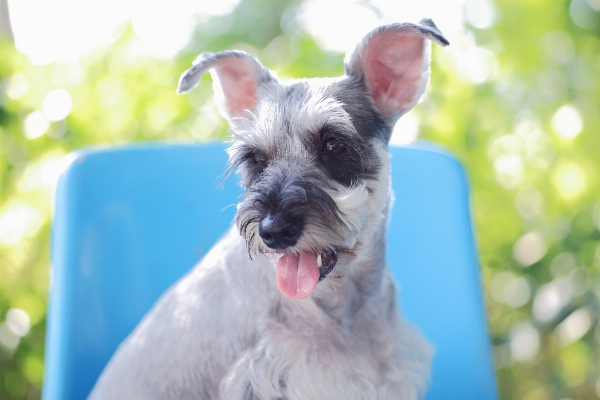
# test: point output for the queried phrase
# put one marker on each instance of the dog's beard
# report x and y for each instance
(320, 256)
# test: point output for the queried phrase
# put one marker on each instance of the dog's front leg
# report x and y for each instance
(407, 371)
(236, 385)
(255, 376)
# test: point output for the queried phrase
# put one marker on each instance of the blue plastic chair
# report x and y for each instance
(130, 221)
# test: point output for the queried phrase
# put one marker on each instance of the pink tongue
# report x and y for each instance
(297, 276)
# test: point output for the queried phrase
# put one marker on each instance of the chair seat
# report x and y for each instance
(130, 221)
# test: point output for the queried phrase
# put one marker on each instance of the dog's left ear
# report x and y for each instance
(393, 63)
(238, 78)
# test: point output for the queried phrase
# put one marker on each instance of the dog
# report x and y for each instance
(295, 301)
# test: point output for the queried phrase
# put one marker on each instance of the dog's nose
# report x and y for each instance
(278, 232)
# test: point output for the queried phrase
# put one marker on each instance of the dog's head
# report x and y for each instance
(312, 153)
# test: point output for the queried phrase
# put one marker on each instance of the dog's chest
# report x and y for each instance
(301, 353)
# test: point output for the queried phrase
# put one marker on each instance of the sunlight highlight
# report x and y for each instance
(573, 327)
(57, 105)
(524, 341)
(509, 170)
(570, 180)
(17, 86)
(8, 339)
(72, 28)
(481, 14)
(529, 202)
(328, 22)
(478, 65)
(529, 249)
(35, 125)
(176, 28)
(64, 30)
(405, 131)
(514, 291)
(17, 221)
(340, 25)
(567, 122)
(551, 299)
(18, 321)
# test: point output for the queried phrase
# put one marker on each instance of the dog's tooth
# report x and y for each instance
(319, 261)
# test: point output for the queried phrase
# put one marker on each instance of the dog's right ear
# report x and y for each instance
(393, 63)
(237, 79)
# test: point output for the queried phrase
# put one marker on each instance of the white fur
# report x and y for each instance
(352, 198)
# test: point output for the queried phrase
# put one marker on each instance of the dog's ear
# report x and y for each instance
(393, 62)
(237, 79)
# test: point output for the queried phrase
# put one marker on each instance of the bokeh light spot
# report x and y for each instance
(8, 339)
(18, 321)
(48, 31)
(207, 122)
(406, 130)
(57, 105)
(573, 327)
(558, 46)
(18, 220)
(316, 17)
(567, 122)
(35, 125)
(575, 363)
(478, 65)
(17, 86)
(110, 91)
(123, 127)
(563, 264)
(515, 291)
(529, 202)
(524, 341)
(570, 180)
(529, 249)
(33, 369)
(160, 115)
(509, 170)
(551, 298)
(481, 14)
(175, 33)
(583, 14)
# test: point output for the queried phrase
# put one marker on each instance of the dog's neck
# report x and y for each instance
(365, 273)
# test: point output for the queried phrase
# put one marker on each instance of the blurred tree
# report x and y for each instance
(528, 135)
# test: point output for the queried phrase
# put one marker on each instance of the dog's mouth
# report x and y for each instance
(298, 274)
(326, 262)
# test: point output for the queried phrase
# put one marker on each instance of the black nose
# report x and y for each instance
(280, 232)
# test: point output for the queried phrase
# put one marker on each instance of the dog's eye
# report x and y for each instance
(333, 146)
(259, 159)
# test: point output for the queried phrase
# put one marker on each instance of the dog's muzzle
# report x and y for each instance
(297, 274)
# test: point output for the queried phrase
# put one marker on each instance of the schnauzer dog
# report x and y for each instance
(295, 302)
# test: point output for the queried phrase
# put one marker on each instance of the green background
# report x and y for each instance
(528, 134)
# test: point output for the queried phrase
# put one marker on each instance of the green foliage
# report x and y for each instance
(535, 176)
(536, 193)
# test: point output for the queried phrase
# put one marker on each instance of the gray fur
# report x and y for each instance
(314, 152)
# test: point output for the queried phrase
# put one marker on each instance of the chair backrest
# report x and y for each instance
(129, 222)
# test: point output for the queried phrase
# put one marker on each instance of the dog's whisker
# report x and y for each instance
(229, 206)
